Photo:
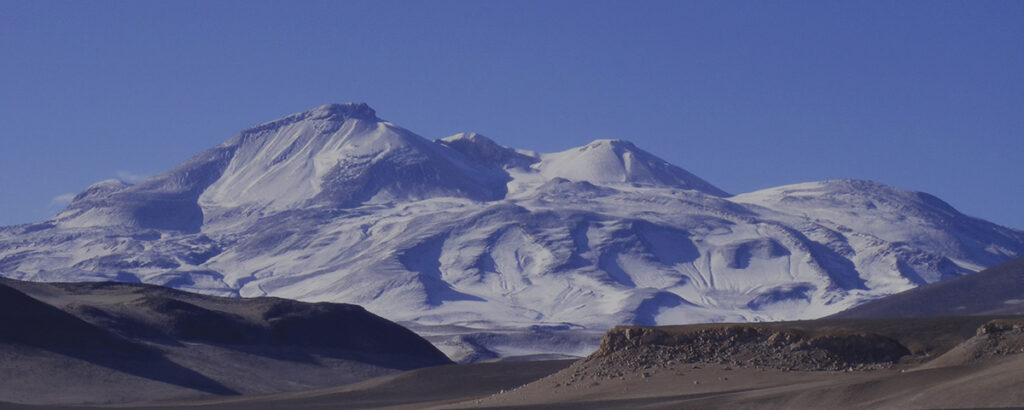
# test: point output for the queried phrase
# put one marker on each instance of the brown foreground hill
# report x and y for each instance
(106, 343)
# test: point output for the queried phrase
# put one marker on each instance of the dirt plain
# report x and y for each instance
(977, 365)
(96, 350)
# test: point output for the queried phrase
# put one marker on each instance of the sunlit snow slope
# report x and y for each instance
(337, 205)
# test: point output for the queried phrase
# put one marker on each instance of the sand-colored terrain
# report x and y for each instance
(987, 370)
(439, 386)
(991, 383)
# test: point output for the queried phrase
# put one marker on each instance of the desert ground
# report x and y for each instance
(109, 345)
(951, 362)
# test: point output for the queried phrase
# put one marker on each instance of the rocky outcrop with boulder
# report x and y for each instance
(746, 345)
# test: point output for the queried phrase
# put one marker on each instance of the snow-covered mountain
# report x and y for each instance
(463, 234)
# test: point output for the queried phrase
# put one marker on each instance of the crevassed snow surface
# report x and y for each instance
(464, 236)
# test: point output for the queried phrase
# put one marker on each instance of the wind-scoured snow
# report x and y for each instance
(619, 162)
(463, 236)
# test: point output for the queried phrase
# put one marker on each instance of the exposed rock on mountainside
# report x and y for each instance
(335, 204)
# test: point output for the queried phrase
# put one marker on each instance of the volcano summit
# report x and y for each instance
(464, 236)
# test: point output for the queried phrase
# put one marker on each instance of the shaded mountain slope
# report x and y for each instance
(995, 291)
(151, 342)
(29, 323)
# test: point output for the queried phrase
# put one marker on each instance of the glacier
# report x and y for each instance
(491, 251)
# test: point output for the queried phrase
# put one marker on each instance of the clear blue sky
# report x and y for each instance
(926, 96)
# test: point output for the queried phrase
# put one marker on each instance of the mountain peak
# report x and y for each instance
(327, 112)
(850, 192)
(342, 155)
(347, 110)
(470, 137)
(612, 161)
(484, 151)
(332, 205)
(611, 143)
(101, 189)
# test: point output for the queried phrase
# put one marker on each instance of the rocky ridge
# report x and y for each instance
(995, 339)
(628, 349)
